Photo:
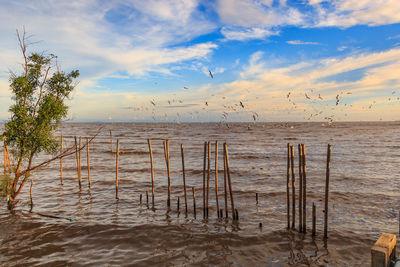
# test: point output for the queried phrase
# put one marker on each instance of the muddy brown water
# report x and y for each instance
(364, 198)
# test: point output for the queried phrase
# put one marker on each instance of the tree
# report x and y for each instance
(38, 95)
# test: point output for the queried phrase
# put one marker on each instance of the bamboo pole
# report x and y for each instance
(328, 165)
(61, 161)
(256, 198)
(229, 180)
(4, 155)
(80, 161)
(204, 179)
(30, 194)
(225, 185)
(293, 187)
(116, 170)
(314, 218)
(184, 178)
(177, 205)
(208, 174)
(88, 160)
(304, 189)
(140, 199)
(77, 161)
(300, 188)
(111, 142)
(216, 176)
(147, 198)
(288, 186)
(166, 155)
(194, 202)
(152, 171)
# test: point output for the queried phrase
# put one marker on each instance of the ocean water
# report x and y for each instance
(363, 199)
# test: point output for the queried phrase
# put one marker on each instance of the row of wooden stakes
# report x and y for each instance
(302, 199)
(206, 175)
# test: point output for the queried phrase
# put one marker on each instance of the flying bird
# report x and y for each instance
(206, 103)
(287, 96)
(241, 104)
(185, 87)
(211, 75)
(152, 102)
(319, 96)
(307, 96)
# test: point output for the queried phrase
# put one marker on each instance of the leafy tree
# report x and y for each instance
(38, 95)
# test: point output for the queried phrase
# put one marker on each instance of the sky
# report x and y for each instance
(270, 60)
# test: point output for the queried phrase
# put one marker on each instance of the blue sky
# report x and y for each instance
(271, 60)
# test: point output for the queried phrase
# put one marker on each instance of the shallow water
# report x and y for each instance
(363, 198)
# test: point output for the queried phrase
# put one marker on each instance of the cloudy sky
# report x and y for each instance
(271, 60)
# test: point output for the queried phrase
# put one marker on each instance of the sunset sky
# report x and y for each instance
(271, 60)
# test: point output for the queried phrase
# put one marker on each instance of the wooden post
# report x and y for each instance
(204, 179)
(140, 199)
(80, 162)
(116, 170)
(304, 189)
(147, 198)
(225, 185)
(300, 189)
(288, 186)
(208, 174)
(184, 178)
(4, 154)
(166, 154)
(384, 251)
(216, 176)
(314, 219)
(328, 165)
(177, 205)
(88, 160)
(77, 161)
(229, 179)
(293, 187)
(30, 193)
(194, 202)
(61, 161)
(152, 171)
(111, 142)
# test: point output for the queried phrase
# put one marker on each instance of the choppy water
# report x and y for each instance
(364, 198)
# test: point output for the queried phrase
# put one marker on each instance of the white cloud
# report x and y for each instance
(242, 34)
(298, 42)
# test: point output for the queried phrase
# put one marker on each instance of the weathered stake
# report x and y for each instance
(328, 165)
(208, 173)
(204, 179)
(166, 154)
(152, 171)
(77, 161)
(293, 187)
(61, 161)
(229, 179)
(184, 178)
(225, 185)
(304, 189)
(216, 176)
(288, 186)
(300, 189)
(30, 194)
(88, 160)
(80, 162)
(314, 219)
(111, 142)
(116, 170)
(194, 202)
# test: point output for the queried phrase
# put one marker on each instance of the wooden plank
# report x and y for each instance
(383, 250)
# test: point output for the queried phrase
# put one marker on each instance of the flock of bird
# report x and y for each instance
(313, 106)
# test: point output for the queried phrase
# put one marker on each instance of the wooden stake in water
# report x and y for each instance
(116, 170)
(216, 176)
(80, 162)
(88, 160)
(293, 187)
(77, 161)
(194, 202)
(184, 178)
(229, 179)
(4, 155)
(204, 179)
(288, 186)
(147, 198)
(314, 218)
(304, 189)
(328, 165)
(225, 185)
(300, 189)
(152, 171)
(61, 161)
(30, 193)
(208, 174)
(166, 154)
